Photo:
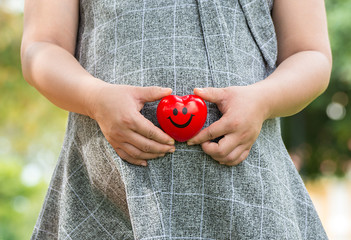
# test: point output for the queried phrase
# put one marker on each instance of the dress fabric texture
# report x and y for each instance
(181, 44)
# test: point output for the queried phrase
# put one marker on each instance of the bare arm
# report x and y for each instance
(48, 64)
(303, 72)
(48, 45)
(304, 57)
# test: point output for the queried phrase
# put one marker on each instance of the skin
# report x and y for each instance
(303, 72)
(304, 66)
(48, 45)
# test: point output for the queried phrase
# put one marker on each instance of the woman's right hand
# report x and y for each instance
(116, 108)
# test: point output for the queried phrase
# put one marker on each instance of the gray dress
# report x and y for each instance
(181, 44)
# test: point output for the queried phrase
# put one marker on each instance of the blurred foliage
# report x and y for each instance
(31, 133)
(19, 203)
(32, 129)
(322, 145)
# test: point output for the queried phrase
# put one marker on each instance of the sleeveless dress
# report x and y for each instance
(181, 44)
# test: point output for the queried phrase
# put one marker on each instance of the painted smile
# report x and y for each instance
(182, 125)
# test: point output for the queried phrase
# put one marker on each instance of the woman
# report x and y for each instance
(118, 175)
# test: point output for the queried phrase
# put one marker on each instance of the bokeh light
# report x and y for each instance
(20, 204)
(336, 111)
(31, 175)
(341, 97)
(328, 167)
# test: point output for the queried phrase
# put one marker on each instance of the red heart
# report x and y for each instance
(181, 117)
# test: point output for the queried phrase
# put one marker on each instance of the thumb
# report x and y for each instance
(151, 94)
(214, 95)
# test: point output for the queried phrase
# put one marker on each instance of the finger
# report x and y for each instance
(151, 94)
(236, 161)
(147, 145)
(137, 153)
(213, 131)
(235, 157)
(123, 155)
(214, 95)
(221, 149)
(147, 129)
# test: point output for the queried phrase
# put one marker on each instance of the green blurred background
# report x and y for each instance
(32, 129)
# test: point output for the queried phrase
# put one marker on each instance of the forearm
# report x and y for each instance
(56, 74)
(295, 83)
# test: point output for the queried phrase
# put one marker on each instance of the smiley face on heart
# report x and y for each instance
(181, 117)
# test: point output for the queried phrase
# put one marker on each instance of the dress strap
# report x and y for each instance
(258, 17)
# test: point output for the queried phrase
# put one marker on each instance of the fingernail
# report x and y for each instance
(171, 142)
(172, 150)
(200, 90)
(190, 143)
(166, 89)
(144, 164)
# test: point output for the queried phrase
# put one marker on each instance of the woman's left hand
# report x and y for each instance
(243, 112)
